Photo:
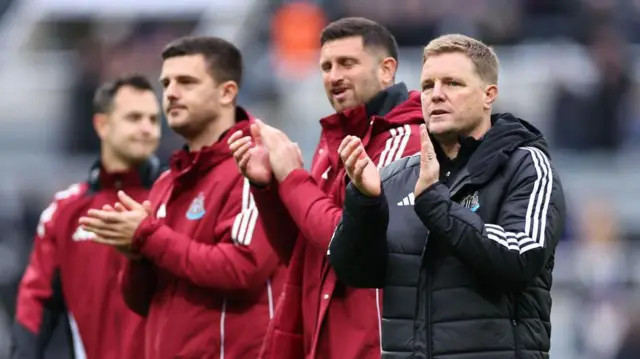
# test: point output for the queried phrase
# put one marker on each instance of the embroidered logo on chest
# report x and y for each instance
(471, 201)
(196, 209)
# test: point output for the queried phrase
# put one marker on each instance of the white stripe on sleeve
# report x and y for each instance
(245, 221)
(395, 145)
(536, 215)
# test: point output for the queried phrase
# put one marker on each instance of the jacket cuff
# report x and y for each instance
(145, 229)
(427, 202)
(362, 199)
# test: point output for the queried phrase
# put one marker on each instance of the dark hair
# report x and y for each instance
(223, 58)
(103, 98)
(372, 34)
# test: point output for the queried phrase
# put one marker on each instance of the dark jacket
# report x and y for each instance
(466, 268)
(71, 277)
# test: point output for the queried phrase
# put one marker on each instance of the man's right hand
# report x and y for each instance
(251, 156)
(360, 169)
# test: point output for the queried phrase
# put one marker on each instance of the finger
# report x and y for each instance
(127, 201)
(344, 143)
(426, 148)
(242, 151)
(360, 165)
(104, 216)
(299, 151)
(256, 134)
(120, 207)
(266, 134)
(349, 148)
(350, 163)
(235, 145)
(234, 137)
(244, 161)
(91, 222)
(108, 208)
(103, 233)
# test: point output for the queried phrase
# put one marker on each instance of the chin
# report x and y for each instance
(438, 129)
(339, 107)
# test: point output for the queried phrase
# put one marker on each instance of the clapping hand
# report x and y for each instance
(284, 155)
(251, 156)
(429, 165)
(116, 226)
(360, 169)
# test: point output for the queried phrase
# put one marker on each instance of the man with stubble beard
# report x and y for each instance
(320, 317)
(207, 278)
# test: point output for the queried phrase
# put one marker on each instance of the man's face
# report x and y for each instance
(454, 97)
(190, 94)
(350, 73)
(132, 129)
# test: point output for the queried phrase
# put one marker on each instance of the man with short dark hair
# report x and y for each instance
(320, 317)
(462, 235)
(207, 279)
(67, 273)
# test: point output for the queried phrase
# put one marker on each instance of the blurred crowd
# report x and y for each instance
(593, 121)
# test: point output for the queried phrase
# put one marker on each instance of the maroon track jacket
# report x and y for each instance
(319, 317)
(209, 280)
(71, 277)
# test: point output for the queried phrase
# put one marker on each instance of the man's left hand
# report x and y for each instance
(116, 228)
(284, 155)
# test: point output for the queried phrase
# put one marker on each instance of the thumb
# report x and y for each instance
(147, 207)
(298, 149)
(256, 134)
(129, 202)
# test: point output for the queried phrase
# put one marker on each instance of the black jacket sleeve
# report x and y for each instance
(40, 303)
(514, 250)
(358, 248)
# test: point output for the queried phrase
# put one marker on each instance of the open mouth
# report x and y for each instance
(339, 93)
(438, 112)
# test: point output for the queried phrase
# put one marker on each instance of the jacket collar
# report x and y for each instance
(187, 164)
(140, 176)
(355, 121)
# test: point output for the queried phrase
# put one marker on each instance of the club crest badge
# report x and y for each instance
(196, 209)
(471, 201)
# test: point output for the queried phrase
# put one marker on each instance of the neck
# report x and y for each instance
(450, 145)
(111, 163)
(450, 148)
(211, 134)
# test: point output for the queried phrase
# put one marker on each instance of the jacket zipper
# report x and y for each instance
(429, 339)
(223, 314)
(514, 325)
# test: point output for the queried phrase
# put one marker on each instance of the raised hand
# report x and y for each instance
(429, 165)
(251, 156)
(284, 155)
(360, 169)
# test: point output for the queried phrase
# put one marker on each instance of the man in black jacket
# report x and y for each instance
(462, 235)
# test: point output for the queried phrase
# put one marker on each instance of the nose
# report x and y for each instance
(148, 126)
(171, 92)
(335, 76)
(437, 94)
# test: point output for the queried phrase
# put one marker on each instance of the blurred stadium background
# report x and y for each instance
(571, 67)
